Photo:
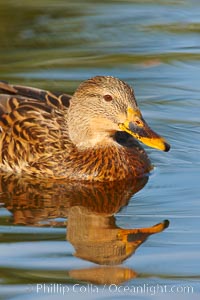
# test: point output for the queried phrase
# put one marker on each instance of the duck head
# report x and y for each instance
(103, 105)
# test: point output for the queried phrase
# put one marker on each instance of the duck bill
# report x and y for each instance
(138, 128)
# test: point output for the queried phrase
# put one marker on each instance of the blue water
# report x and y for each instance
(154, 46)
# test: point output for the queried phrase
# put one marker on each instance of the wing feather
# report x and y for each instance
(31, 121)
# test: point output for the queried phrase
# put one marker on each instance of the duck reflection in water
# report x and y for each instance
(91, 224)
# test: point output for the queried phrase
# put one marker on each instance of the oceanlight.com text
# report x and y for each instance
(148, 289)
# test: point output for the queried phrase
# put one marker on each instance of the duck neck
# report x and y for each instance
(91, 134)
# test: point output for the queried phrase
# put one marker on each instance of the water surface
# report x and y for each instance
(154, 46)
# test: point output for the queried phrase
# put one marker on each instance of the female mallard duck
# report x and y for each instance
(89, 136)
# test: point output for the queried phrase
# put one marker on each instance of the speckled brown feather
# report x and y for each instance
(33, 129)
(34, 140)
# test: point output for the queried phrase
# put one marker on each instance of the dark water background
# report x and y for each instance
(155, 47)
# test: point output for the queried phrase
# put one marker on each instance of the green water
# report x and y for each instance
(155, 47)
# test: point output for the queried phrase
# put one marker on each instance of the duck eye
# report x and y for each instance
(107, 98)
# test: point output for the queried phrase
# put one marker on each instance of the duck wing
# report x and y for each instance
(33, 125)
(30, 93)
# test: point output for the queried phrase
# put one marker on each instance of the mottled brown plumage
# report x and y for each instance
(86, 136)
